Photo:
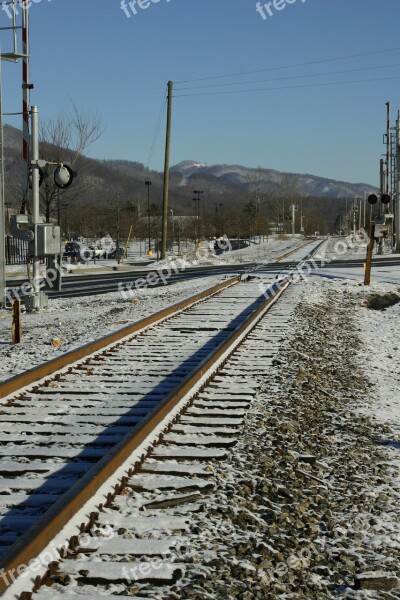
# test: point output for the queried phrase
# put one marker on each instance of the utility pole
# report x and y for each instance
(26, 87)
(301, 217)
(148, 184)
(294, 209)
(166, 174)
(198, 199)
(397, 205)
(2, 216)
(387, 146)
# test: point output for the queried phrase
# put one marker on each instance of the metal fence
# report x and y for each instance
(16, 251)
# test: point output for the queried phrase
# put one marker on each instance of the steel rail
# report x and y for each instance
(131, 275)
(22, 380)
(92, 285)
(51, 523)
(296, 249)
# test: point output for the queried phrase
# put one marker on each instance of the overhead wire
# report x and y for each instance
(295, 65)
(307, 76)
(287, 87)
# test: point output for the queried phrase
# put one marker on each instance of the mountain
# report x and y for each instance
(230, 191)
(268, 181)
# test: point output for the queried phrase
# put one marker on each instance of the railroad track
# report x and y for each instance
(76, 286)
(116, 414)
(97, 404)
(89, 285)
(152, 518)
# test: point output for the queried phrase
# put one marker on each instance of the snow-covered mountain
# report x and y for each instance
(268, 180)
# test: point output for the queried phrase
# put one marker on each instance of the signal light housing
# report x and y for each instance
(372, 198)
(385, 198)
(64, 176)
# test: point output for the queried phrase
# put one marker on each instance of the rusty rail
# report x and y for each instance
(295, 250)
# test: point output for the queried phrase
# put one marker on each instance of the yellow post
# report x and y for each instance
(127, 242)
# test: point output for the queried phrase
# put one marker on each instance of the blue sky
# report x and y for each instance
(118, 67)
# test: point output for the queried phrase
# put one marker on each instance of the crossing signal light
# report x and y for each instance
(372, 198)
(64, 176)
(385, 198)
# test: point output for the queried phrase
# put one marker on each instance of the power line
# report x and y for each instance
(288, 87)
(305, 64)
(212, 85)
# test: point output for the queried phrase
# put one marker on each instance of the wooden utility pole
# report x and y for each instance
(367, 275)
(16, 322)
(166, 174)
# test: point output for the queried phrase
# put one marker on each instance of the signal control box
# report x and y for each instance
(47, 240)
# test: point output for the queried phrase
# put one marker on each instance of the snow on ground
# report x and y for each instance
(356, 247)
(377, 355)
(268, 250)
(380, 357)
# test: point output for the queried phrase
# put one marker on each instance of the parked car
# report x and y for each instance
(113, 255)
(98, 252)
(72, 251)
(226, 245)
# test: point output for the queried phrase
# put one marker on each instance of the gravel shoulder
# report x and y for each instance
(307, 506)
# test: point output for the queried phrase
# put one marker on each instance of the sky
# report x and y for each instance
(116, 63)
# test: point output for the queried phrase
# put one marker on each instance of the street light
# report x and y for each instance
(221, 208)
(7, 205)
(148, 184)
(173, 228)
(198, 192)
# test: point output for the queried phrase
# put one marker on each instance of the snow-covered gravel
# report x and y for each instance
(308, 502)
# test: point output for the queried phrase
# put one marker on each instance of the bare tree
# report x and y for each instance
(65, 140)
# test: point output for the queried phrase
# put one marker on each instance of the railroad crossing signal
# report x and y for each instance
(373, 198)
(64, 176)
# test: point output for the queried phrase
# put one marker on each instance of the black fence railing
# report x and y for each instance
(16, 251)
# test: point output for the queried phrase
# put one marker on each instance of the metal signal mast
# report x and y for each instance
(13, 11)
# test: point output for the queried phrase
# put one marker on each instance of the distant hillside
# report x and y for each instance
(228, 189)
(269, 180)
